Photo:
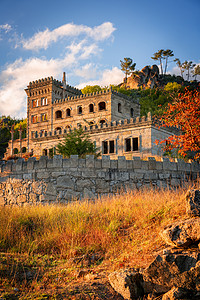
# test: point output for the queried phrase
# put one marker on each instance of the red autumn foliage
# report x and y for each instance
(184, 112)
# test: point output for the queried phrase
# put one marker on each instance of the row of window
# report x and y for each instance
(41, 102)
(131, 144)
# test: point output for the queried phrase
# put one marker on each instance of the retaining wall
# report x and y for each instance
(50, 180)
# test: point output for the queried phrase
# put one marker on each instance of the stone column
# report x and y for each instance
(20, 141)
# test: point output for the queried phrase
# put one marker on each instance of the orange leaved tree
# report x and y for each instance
(184, 112)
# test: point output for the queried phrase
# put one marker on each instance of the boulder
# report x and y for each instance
(173, 269)
(182, 233)
(193, 203)
(177, 293)
(128, 283)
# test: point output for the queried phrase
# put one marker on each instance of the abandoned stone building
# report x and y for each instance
(111, 119)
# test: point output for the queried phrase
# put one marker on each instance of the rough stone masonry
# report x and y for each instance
(62, 180)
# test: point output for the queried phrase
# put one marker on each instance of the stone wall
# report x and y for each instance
(50, 180)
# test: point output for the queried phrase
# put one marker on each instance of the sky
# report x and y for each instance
(87, 39)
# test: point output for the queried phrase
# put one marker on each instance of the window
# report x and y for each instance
(102, 106)
(15, 151)
(128, 145)
(91, 123)
(44, 152)
(43, 117)
(102, 121)
(34, 119)
(68, 112)
(132, 112)
(34, 103)
(111, 147)
(108, 147)
(23, 149)
(91, 108)
(119, 107)
(80, 110)
(105, 147)
(43, 101)
(58, 114)
(135, 144)
(131, 144)
(79, 125)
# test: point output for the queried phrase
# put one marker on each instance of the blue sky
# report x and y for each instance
(87, 39)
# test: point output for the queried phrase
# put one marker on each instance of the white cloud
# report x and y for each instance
(87, 71)
(43, 39)
(5, 27)
(113, 76)
(76, 61)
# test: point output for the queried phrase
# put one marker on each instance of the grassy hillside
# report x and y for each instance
(43, 249)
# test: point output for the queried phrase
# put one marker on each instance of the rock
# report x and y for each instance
(174, 269)
(182, 233)
(177, 293)
(193, 203)
(128, 283)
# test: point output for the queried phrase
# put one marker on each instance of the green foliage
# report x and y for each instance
(5, 126)
(127, 66)
(91, 89)
(77, 142)
(172, 86)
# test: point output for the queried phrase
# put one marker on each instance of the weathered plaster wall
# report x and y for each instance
(58, 179)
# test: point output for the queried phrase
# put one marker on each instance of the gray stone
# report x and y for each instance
(182, 233)
(193, 203)
(174, 269)
(128, 283)
(88, 194)
(82, 183)
(65, 182)
(89, 161)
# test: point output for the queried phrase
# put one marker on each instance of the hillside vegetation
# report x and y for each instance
(44, 249)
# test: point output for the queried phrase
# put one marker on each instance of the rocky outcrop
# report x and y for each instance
(148, 77)
(175, 273)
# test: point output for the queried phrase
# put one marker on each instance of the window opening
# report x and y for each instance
(91, 108)
(111, 147)
(80, 110)
(119, 107)
(68, 112)
(102, 121)
(135, 144)
(102, 106)
(105, 147)
(132, 112)
(58, 114)
(127, 144)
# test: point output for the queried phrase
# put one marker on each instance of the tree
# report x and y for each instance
(127, 66)
(91, 89)
(184, 112)
(196, 71)
(77, 142)
(180, 65)
(166, 54)
(187, 65)
(159, 56)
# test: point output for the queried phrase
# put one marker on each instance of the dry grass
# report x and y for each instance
(112, 232)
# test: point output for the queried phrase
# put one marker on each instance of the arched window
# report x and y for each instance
(91, 108)
(102, 106)
(119, 107)
(58, 114)
(102, 121)
(67, 127)
(68, 112)
(80, 110)
(23, 149)
(91, 123)
(15, 151)
(132, 112)
(44, 152)
(58, 128)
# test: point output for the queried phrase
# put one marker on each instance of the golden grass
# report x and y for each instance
(123, 228)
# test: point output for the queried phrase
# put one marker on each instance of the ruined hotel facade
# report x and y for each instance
(111, 119)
